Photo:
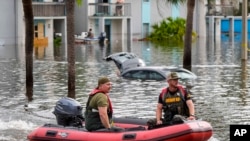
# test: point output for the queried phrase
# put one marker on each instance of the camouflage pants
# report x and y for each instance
(177, 119)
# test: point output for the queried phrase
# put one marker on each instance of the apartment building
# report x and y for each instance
(138, 16)
(9, 13)
(102, 16)
(49, 18)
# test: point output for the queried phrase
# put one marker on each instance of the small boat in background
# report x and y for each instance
(84, 39)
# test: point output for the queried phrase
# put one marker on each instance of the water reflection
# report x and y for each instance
(244, 73)
(57, 53)
(39, 52)
(221, 92)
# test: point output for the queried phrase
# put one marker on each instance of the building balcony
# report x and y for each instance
(109, 9)
(48, 9)
(220, 10)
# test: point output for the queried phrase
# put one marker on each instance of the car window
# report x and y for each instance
(152, 75)
(135, 75)
(144, 75)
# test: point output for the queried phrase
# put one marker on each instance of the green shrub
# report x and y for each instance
(169, 30)
(57, 41)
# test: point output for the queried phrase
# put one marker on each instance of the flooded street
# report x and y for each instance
(221, 91)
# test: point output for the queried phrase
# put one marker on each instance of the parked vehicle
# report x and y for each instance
(125, 60)
(134, 68)
(157, 73)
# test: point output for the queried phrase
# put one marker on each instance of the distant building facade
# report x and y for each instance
(49, 18)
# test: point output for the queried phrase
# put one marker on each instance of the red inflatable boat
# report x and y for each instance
(70, 127)
(188, 131)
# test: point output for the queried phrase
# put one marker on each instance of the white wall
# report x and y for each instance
(199, 19)
(20, 23)
(8, 21)
(159, 11)
(136, 7)
(81, 17)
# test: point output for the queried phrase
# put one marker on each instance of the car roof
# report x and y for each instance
(125, 60)
(120, 57)
(131, 63)
(164, 70)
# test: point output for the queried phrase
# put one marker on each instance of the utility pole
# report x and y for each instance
(244, 31)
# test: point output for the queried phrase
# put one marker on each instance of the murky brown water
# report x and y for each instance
(221, 92)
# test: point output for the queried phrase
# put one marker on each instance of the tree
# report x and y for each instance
(168, 31)
(70, 7)
(175, 2)
(187, 57)
(29, 38)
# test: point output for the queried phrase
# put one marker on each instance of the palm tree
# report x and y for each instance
(175, 2)
(188, 32)
(187, 57)
(70, 7)
(29, 24)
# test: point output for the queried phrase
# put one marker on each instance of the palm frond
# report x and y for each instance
(174, 2)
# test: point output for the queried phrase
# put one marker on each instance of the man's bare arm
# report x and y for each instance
(104, 116)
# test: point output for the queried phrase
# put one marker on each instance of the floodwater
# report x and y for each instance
(221, 91)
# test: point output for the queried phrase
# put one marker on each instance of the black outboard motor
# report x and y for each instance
(68, 112)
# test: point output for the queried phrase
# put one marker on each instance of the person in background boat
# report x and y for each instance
(102, 38)
(90, 34)
(175, 102)
(118, 8)
(98, 114)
